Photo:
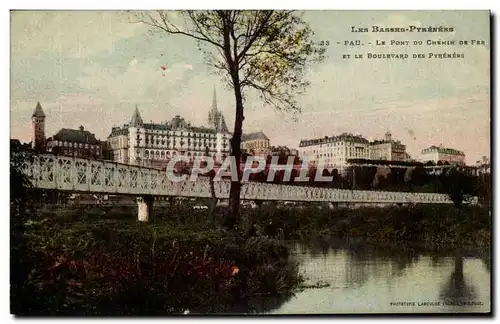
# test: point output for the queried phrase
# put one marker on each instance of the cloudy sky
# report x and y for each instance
(91, 68)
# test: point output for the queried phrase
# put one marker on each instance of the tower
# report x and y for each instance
(134, 130)
(38, 128)
(136, 118)
(388, 136)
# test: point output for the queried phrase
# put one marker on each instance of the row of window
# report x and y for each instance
(168, 142)
(167, 154)
(335, 144)
(163, 133)
(183, 145)
(73, 145)
(73, 152)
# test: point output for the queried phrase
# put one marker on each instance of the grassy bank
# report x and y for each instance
(89, 261)
(429, 224)
(111, 264)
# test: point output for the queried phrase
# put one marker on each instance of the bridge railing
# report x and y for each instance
(54, 172)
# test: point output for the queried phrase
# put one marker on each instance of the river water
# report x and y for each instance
(361, 278)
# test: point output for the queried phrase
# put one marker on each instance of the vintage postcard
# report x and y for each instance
(250, 162)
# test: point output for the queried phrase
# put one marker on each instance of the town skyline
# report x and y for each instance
(82, 76)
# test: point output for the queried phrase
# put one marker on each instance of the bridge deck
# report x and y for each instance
(92, 176)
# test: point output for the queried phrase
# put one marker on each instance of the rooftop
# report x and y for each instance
(76, 136)
(38, 112)
(344, 137)
(441, 149)
(254, 136)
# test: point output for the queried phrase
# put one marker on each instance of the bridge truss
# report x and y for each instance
(96, 176)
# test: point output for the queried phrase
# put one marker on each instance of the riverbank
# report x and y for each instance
(427, 224)
(74, 261)
(66, 264)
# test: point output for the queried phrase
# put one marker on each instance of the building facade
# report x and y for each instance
(76, 142)
(335, 151)
(388, 149)
(154, 144)
(256, 144)
(70, 142)
(443, 154)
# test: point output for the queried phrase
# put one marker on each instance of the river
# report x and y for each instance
(361, 278)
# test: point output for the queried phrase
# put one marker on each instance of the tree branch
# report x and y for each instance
(256, 34)
(170, 28)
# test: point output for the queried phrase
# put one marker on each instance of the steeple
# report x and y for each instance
(214, 102)
(38, 112)
(136, 118)
(212, 114)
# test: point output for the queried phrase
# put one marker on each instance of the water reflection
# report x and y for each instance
(390, 279)
(456, 290)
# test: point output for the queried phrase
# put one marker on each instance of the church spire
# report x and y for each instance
(212, 114)
(214, 102)
(136, 118)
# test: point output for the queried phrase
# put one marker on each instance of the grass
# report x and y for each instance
(90, 262)
(429, 224)
(110, 265)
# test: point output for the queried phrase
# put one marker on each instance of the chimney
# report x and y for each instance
(81, 128)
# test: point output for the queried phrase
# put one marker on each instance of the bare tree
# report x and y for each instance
(267, 51)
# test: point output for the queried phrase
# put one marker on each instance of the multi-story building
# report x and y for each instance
(76, 142)
(256, 144)
(283, 150)
(335, 151)
(443, 154)
(71, 142)
(388, 149)
(154, 144)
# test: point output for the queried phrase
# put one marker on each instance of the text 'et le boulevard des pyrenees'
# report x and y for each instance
(402, 43)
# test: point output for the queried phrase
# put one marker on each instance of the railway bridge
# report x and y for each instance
(77, 175)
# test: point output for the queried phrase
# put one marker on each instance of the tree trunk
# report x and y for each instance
(234, 194)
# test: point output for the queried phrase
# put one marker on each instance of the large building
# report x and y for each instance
(443, 154)
(69, 142)
(76, 142)
(335, 151)
(388, 149)
(151, 144)
(256, 144)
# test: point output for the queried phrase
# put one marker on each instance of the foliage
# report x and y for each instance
(106, 265)
(268, 50)
(21, 192)
(459, 186)
(469, 225)
(384, 162)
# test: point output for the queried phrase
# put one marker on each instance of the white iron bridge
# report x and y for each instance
(96, 176)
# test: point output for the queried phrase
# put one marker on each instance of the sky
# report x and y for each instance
(91, 68)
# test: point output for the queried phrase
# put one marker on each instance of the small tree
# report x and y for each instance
(458, 186)
(267, 51)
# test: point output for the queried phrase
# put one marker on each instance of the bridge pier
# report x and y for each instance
(144, 208)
